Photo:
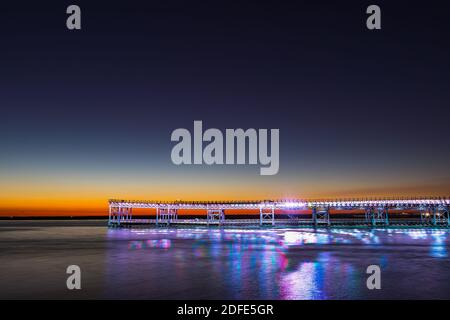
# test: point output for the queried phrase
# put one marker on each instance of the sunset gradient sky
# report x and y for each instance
(87, 115)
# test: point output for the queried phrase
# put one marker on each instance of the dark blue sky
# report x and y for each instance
(359, 111)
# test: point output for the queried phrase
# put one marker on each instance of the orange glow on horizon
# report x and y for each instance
(71, 197)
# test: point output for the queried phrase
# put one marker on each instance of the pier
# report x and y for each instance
(433, 212)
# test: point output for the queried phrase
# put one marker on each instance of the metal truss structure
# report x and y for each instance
(433, 211)
(435, 215)
(267, 214)
(215, 216)
(321, 215)
(377, 215)
(119, 214)
(166, 215)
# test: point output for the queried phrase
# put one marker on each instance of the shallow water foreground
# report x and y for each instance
(201, 263)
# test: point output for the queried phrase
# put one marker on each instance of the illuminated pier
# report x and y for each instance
(372, 212)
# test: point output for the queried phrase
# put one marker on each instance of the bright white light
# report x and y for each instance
(293, 204)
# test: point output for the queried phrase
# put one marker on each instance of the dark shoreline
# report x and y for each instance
(229, 216)
(56, 218)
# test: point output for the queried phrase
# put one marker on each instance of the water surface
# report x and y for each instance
(201, 263)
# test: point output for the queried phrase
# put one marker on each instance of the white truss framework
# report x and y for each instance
(433, 211)
(280, 204)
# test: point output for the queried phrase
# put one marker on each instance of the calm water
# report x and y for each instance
(189, 263)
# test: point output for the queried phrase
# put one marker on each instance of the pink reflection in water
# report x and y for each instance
(141, 244)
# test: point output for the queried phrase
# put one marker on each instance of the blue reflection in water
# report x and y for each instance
(286, 263)
(438, 247)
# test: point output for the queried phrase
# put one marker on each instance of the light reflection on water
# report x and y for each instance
(201, 263)
(290, 263)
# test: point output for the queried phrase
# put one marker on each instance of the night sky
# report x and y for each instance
(87, 115)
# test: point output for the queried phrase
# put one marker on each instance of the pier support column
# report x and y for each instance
(267, 215)
(422, 215)
(173, 215)
(425, 215)
(215, 216)
(119, 213)
(321, 216)
(441, 215)
(166, 215)
(379, 215)
(126, 213)
(447, 210)
(162, 215)
(368, 215)
(434, 211)
(113, 215)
